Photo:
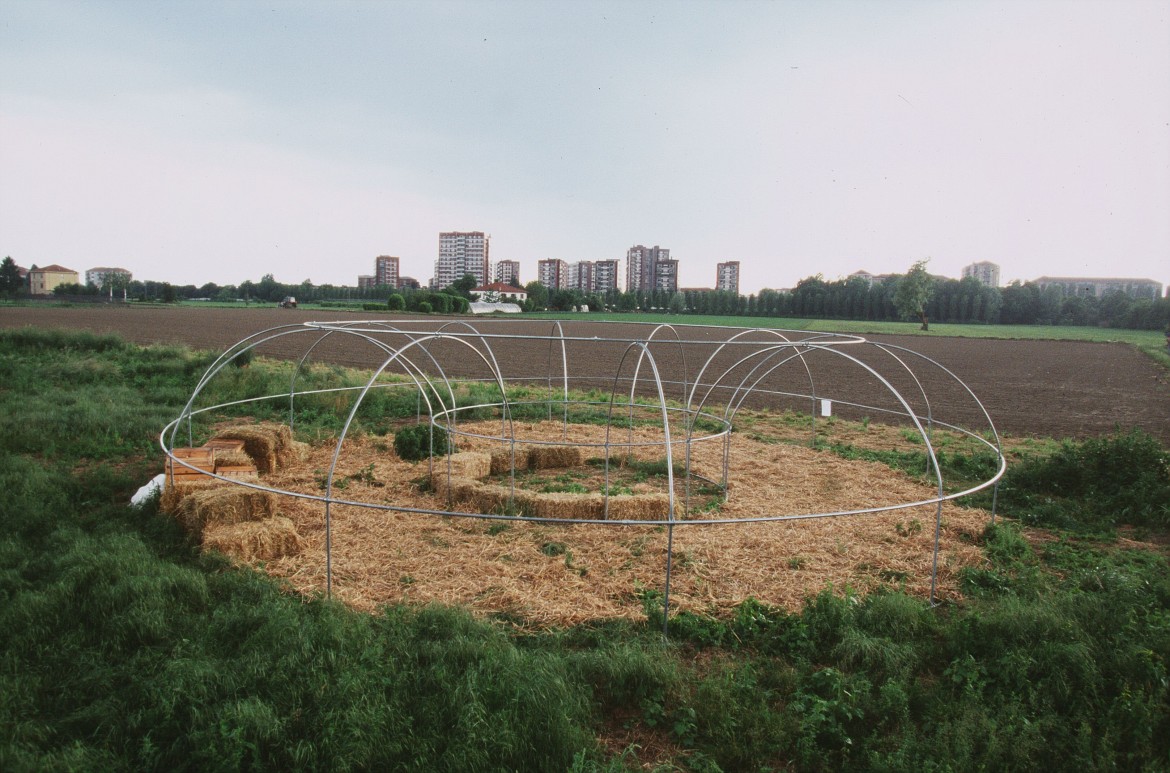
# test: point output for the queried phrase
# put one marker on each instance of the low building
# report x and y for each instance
(98, 276)
(42, 281)
(1100, 287)
(367, 281)
(498, 291)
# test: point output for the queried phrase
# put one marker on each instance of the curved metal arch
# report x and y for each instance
(560, 337)
(669, 463)
(398, 354)
(222, 361)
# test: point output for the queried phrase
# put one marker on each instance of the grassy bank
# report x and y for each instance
(123, 648)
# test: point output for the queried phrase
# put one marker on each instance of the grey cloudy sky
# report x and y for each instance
(218, 141)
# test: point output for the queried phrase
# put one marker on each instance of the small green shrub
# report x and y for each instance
(1095, 484)
(414, 443)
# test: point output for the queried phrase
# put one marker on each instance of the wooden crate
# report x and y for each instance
(224, 444)
(236, 470)
(199, 458)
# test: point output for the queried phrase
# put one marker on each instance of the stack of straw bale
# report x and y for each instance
(270, 445)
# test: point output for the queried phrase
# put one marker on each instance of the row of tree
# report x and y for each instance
(913, 295)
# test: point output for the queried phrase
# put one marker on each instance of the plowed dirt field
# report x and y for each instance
(1040, 388)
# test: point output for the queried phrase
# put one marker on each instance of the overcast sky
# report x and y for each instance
(217, 141)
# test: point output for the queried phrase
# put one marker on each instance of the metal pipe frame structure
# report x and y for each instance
(736, 367)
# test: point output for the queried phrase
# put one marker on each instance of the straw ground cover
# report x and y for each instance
(548, 574)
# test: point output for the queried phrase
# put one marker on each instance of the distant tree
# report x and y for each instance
(677, 303)
(537, 296)
(10, 282)
(73, 288)
(913, 293)
(168, 293)
(463, 286)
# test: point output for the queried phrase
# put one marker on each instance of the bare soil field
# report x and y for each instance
(1035, 388)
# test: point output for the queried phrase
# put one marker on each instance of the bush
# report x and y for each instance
(396, 302)
(425, 307)
(413, 443)
(373, 307)
(1099, 483)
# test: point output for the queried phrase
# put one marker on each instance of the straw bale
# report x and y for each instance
(466, 464)
(502, 459)
(639, 507)
(265, 540)
(548, 457)
(558, 505)
(269, 444)
(232, 458)
(223, 505)
(458, 489)
(259, 444)
(179, 486)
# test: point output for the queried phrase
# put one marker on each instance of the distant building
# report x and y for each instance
(985, 271)
(666, 275)
(41, 281)
(553, 273)
(605, 276)
(461, 253)
(727, 277)
(98, 276)
(501, 292)
(642, 267)
(1099, 287)
(508, 272)
(408, 283)
(868, 277)
(367, 281)
(580, 276)
(386, 270)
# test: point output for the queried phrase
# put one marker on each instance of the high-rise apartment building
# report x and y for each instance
(605, 276)
(666, 275)
(580, 276)
(553, 273)
(642, 267)
(727, 276)
(508, 272)
(985, 271)
(462, 252)
(386, 270)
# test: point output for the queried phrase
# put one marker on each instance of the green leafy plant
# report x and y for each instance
(414, 443)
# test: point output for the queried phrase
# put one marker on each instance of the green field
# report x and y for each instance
(122, 647)
(1146, 340)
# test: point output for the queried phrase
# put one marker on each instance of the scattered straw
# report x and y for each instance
(551, 574)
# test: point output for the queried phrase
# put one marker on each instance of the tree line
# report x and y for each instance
(913, 295)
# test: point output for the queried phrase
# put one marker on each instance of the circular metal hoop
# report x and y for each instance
(630, 379)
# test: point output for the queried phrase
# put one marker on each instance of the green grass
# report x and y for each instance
(123, 648)
(1152, 342)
